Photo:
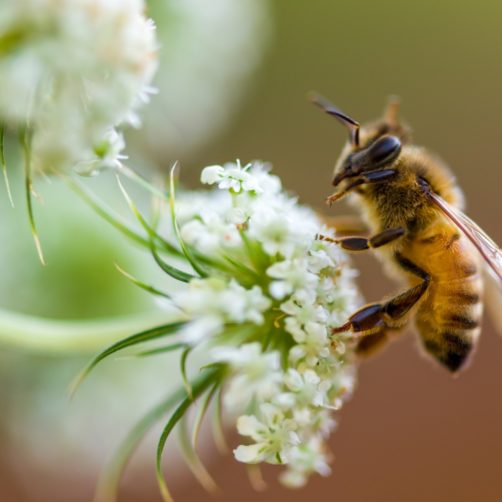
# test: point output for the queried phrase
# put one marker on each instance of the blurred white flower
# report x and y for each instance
(107, 154)
(200, 329)
(278, 233)
(198, 206)
(294, 275)
(311, 341)
(258, 374)
(304, 311)
(212, 174)
(305, 460)
(210, 234)
(307, 387)
(231, 176)
(274, 436)
(72, 71)
(217, 298)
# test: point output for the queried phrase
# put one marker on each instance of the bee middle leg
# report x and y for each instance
(363, 243)
(375, 319)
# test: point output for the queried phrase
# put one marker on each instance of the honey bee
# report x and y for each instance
(413, 207)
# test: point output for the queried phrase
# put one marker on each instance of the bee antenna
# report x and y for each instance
(392, 110)
(331, 109)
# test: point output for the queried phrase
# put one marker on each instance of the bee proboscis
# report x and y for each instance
(413, 206)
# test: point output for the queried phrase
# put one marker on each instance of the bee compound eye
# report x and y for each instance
(384, 150)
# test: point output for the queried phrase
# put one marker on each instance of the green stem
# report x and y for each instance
(55, 336)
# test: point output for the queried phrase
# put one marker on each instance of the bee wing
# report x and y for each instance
(493, 301)
(490, 252)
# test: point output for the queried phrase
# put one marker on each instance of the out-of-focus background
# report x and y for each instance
(233, 84)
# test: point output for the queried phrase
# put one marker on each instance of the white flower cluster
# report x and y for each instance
(288, 374)
(72, 71)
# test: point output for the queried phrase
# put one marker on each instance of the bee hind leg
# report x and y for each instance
(375, 318)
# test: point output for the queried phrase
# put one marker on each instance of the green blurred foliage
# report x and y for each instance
(80, 279)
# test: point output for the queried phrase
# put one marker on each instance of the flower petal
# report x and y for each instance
(249, 454)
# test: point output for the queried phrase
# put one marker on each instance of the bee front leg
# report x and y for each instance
(372, 178)
(363, 243)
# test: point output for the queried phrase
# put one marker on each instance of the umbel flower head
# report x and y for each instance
(71, 72)
(258, 293)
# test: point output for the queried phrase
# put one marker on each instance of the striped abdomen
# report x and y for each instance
(449, 318)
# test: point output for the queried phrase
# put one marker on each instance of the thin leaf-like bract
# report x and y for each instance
(144, 336)
(216, 422)
(161, 350)
(199, 385)
(4, 166)
(153, 235)
(184, 248)
(174, 272)
(147, 287)
(183, 371)
(25, 137)
(202, 413)
(137, 178)
(243, 270)
(193, 460)
(157, 209)
(107, 215)
(256, 254)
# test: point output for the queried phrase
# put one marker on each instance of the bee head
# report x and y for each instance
(370, 147)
